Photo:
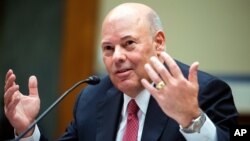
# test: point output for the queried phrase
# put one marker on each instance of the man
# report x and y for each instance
(171, 100)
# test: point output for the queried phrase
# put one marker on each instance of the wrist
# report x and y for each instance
(188, 119)
(35, 136)
(28, 134)
(195, 124)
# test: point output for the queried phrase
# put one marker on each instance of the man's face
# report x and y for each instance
(127, 44)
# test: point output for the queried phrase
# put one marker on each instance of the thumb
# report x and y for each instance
(192, 77)
(33, 90)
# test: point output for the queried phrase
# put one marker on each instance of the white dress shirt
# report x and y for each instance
(207, 132)
(142, 101)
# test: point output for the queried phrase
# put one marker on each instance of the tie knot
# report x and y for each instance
(132, 107)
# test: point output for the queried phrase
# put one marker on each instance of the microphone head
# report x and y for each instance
(93, 80)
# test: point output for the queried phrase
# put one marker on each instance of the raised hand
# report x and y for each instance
(178, 96)
(21, 110)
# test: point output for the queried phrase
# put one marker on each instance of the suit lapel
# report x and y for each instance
(108, 115)
(154, 123)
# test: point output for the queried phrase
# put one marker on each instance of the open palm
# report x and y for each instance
(21, 110)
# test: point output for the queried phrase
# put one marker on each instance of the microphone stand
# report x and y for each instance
(49, 109)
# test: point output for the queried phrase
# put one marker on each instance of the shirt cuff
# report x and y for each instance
(207, 132)
(34, 137)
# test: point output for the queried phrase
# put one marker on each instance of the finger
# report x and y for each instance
(10, 81)
(10, 71)
(8, 95)
(33, 90)
(11, 106)
(152, 74)
(154, 92)
(171, 64)
(192, 77)
(161, 69)
(149, 87)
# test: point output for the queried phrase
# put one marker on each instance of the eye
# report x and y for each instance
(129, 45)
(107, 50)
(129, 42)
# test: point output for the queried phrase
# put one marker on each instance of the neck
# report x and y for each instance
(134, 93)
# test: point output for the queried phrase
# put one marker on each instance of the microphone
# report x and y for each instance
(92, 80)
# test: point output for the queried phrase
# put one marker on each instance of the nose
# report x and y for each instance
(119, 55)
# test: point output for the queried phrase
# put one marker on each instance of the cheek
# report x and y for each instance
(142, 58)
(139, 61)
(107, 62)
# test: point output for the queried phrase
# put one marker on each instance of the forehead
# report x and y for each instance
(124, 26)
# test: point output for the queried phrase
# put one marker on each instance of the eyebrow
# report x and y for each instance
(134, 38)
(123, 38)
(127, 37)
(103, 42)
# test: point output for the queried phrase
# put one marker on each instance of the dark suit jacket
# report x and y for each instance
(98, 109)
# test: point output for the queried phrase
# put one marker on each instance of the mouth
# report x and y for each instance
(123, 73)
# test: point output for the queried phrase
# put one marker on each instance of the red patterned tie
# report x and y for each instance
(132, 125)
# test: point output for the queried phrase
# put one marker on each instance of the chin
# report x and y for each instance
(127, 86)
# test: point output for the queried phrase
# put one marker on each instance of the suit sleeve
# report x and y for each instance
(71, 131)
(217, 101)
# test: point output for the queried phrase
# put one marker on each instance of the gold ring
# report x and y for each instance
(160, 85)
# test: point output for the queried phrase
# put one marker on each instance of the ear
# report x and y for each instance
(159, 42)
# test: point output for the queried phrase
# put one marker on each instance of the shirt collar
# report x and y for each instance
(142, 100)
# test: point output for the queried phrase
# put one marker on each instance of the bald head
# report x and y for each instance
(131, 34)
(135, 12)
